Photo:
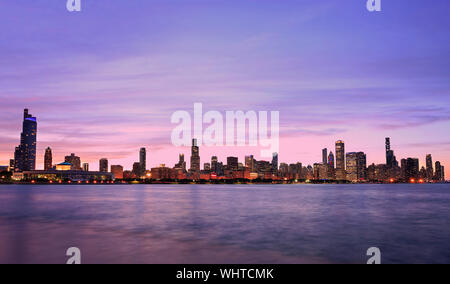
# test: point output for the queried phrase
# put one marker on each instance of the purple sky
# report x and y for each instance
(104, 82)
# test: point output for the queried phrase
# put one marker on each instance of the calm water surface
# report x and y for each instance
(225, 223)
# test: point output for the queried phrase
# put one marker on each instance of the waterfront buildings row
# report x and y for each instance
(341, 166)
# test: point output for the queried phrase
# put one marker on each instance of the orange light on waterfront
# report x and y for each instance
(33, 181)
(87, 181)
(95, 182)
(51, 181)
(69, 181)
(392, 180)
(60, 181)
(421, 181)
(79, 181)
(412, 180)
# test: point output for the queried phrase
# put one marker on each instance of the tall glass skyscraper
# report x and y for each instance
(340, 160)
(25, 154)
(143, 162)
(195, 157)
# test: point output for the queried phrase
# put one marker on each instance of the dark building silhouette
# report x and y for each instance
(391, 160)
(325, 156)
(214, 164)
(103, 166)
(136, 170)
(181, 165)
(439, 175)
(195, 157)
(429, 169)
(25, 153)
(410, 169)
(275, 162)
(232, 163)
(75, 161)
(48, 159)
(143, 162)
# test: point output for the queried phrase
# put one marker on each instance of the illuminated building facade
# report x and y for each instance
(25, 153)
(48, 159)
(74, 160)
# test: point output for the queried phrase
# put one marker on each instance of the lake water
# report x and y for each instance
(225, 223)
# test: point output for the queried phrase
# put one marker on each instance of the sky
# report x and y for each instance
(105, 81)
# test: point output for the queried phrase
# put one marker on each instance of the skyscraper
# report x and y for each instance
(75, 161)
(181, 165)
(250, 163)
(429, 164)
(331, 160)
(136, 172)
(25, 153)
(438, 175)
(85, 167)
(391, 160)
(356, 166)
(48, 159)
(214, 164)
(195, 157)
(340, 160)
(410, 169)
(442, 173)
(103, 165)
(232, 163)
(143, 162)
(275, 162)
(325, 156)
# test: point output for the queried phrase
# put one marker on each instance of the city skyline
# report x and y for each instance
(111, 86)
(350, 166)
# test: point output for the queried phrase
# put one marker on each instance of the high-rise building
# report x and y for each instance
(275, 162)
(195, 157)
(136, 172)
(410, 169)
(207, 167)
(103, 165)
(11, 164)
(340, 160)
(325, 156)
(438, 174)
(232, 163)
(331, 160)
(75, 161)
(85, 167)
(391, 160)
(442, 173)
(250, 163)
(117, 171)
(143, 161)
(25, 153)
(356, 166)
(214, 162)
(429, 169)
(48, 159)
(181, 165)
